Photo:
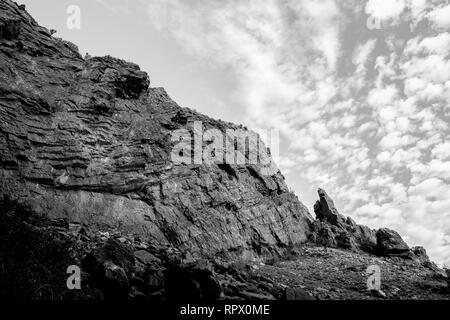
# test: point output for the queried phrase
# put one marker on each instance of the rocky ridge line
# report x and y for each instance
(333, 230)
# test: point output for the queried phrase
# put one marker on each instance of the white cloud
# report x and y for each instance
(385, 9)
(434, 68)
(382, 96)
(439, 44)
(440, 17)
(442, 151)
(396, 139)
(362, 53)
(429, 188)
(440, 168)
(417, 8)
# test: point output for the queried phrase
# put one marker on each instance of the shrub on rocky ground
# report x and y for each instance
(33, 258)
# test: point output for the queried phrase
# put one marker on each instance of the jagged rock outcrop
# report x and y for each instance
(326, 211)
(89, 141)
(331, 229)
(389, 242)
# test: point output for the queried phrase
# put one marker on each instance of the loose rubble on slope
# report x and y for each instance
(87, 180)
(35, 253)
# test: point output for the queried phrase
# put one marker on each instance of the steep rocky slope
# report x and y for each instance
(35, 253)
(87, 140)
(88, 179)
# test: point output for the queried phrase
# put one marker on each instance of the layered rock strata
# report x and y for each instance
(88, 140)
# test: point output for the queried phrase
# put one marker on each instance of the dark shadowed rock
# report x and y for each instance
(296, 294)
(241, 271)
(154, 280)
(112, 280)
(111, 266)
(346, 240)
(146, 258)
(136, 295)
(389, 242)
(323, 234)
(253, 296)
(146, 261)
(420, 253)
(365, 238)
(114, 251)
(191, 282)
(9, 28)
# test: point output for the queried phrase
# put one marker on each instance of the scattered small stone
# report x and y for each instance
(378, 293)
(75, 227)
(255, 296)
(395, 290)
(135, 294)
(155, 280)
(147, 258)
(104, 234)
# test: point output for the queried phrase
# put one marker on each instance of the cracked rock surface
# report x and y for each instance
(89, 141)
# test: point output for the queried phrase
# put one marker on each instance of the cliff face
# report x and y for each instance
(88, 140)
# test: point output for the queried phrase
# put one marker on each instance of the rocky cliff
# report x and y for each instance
(89, 141)
(87, 178)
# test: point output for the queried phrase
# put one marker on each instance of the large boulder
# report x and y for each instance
(421, 254)
(389, 242)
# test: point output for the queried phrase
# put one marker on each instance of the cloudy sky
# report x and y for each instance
(359, 90)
